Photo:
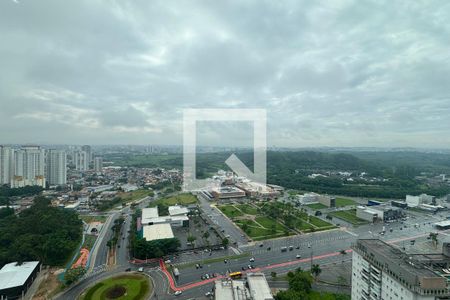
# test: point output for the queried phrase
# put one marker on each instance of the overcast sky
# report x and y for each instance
(329, 73)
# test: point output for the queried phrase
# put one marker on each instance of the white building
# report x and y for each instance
(308, 198)
(56, 167)
(98, 164)
(88, 150)
(29, 167)
(382, 271)
(151, 216)
(413, 201)
(6, 165)
(258, 286)
(81, 159)
(157, 232)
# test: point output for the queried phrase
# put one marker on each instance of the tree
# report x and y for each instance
(273, 274)
(191, 239)
(316, 270)
(225, 242)
(433, 236)
(72, 275)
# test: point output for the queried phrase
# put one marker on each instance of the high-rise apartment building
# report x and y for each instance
(81, 159)
(6, 165)
(98, 164)
(29, 167)
(88, 150)
(382, 271)
(56, 164)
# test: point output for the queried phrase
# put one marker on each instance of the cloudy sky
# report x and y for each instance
(329, 73)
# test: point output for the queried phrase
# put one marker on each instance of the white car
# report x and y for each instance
(178, 293)
(252, 259)
(141, 269)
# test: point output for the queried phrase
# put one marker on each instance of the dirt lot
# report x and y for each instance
(49, 286)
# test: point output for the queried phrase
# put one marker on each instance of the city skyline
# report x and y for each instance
(345, 73)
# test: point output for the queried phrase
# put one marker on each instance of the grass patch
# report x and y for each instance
(319, 222)
(230, 211)
(340, 202)
(181, 199)
(316, 206)
(247, 209)
(89, 219)
(348, 216)
(137, 287)
(268, 223)
(135, 195)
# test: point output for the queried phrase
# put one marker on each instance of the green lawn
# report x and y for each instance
(257, 232)
(135, 195)
(348, 216)
(316, 206)
(340, 202)
(319, 222)
(247, 209)
(303, 225)
(230, 211)
(268, 223)
(137, 287)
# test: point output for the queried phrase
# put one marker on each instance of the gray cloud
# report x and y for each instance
(344, 73)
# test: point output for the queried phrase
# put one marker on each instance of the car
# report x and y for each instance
(269, 248)
(298, 256)
(309, 245)
(128, 270)
(178, 293)
(298, 247)
(225, 261)
(250, 267)
(141, 269)
(244, 268)
(291, 248)
(252, 259)
(197, 266)
(208, 294)
(206, 276)
(261, 245)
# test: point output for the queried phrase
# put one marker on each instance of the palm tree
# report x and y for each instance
(316, 270)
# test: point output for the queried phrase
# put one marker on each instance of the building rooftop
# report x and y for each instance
(258, 286)
(419, 270)
(157, 232)
(13, 275)
(177, 210)
(230, 290)
(148, 214)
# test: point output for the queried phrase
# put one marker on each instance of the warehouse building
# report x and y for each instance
(16, 279)
(157, 232)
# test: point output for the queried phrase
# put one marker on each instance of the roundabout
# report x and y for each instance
(131, 286)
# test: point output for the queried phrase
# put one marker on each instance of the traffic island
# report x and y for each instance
(125, 287)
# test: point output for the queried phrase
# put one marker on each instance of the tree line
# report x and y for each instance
(41, 232)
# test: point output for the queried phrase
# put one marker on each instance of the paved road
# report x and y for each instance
(235, 234)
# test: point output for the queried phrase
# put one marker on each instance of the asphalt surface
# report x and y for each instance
(322, 247)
